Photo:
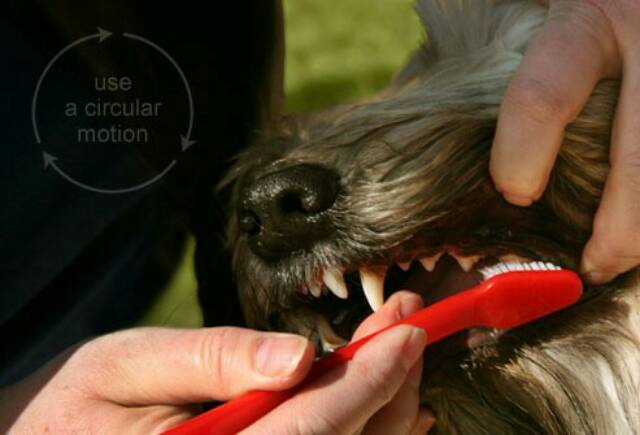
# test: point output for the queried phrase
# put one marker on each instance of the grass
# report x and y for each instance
(344, 50)
(337, 51)
(177, 305)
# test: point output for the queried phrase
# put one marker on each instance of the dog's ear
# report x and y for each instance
(464, 28)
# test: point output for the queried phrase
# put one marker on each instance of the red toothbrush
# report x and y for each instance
(511, 295)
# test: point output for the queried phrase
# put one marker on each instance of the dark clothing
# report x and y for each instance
(76, 263)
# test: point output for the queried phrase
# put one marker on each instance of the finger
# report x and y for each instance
(400, 305)
(556, 77)
(615, 244)
(399, 416)
(166, 366)
(344, 399)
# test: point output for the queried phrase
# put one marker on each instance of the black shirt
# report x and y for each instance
(76, 263)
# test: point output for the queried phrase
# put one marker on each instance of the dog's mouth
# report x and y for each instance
(343, 296)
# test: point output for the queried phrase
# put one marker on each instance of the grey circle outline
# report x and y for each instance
(185, 140)
(49, 160)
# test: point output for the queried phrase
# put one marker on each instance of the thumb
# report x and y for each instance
(150, 366)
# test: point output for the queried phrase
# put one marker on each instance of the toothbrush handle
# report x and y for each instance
(439, 321)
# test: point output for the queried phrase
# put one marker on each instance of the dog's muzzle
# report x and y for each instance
(285, 212)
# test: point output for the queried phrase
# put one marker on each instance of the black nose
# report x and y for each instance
(285, 211)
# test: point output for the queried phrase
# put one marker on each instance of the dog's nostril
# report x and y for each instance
(283, 211)
(249, 223)
(290, 202)
(307, 200)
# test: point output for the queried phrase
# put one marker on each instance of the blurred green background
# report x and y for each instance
(336, 51)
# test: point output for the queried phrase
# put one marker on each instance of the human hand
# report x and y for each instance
(375, 393)
(581, 42)
(144, 380)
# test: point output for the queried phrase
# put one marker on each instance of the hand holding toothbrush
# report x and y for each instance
(145, 381)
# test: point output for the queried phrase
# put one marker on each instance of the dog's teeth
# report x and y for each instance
(429, 263)
(334, 280)
(467, 263)
(405, 265)
(328, 338)
(315, 289)
(373, 286)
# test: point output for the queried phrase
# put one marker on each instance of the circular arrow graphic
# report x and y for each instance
(185, 141)
(50, 160)
(101, 36)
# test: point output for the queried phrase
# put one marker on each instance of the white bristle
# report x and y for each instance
(511, 266)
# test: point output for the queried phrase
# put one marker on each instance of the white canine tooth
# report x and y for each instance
(328, 338)
(315, 289)
(429, 263)
(373, 285)
(406, 265)
(467, 263)
(334, 280)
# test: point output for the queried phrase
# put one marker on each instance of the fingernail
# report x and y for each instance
(592, 273)
(409, 304)
(425, 421)
(280, 354)
(596, 277)
(522, 201)
(414, 346)
(586, 265)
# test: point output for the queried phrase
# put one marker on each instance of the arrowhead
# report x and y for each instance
(103, 34)
(186, 143)
(48, 159)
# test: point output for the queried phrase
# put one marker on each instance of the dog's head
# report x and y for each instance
(394, 183)
(344, 207)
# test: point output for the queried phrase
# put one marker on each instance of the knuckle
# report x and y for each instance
(96, 362)
(213, 355)
(604, 7)
(591, 19)
(585, 10)
(539, 100)
(102, 352)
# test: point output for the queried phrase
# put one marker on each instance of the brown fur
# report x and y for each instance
(413, 163)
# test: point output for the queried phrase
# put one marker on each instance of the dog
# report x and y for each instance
(338, 209)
